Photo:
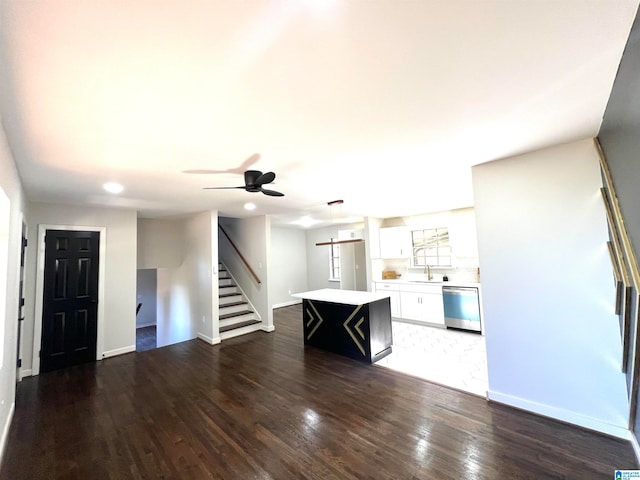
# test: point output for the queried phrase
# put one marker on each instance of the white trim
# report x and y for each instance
(636, 447)
(119, 351)
(209, 340)
(268, 328)
(5, 430)
(21, 276)
(37, 319)
(286, 304)
(143, 325)
(561, 414)
(25, 372)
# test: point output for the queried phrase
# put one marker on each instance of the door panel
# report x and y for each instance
(70, 304)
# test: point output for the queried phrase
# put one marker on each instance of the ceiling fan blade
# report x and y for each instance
(266, 178)
(219, 188)
(248, 162)
(203, 171)
(272, 193)
(239, 169)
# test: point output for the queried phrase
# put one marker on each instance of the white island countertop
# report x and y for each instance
(347, 297)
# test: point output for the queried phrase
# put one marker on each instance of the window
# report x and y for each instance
(334, 261)
(431, 247)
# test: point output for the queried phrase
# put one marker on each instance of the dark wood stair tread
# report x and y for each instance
(233, 304)
(238, 325)
(227, 316)
(221, 295)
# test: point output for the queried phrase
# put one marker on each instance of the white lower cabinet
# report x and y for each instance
(416, 302)
(433, 307)
(394, 296)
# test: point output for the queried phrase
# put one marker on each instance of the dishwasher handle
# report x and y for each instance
(459, 290)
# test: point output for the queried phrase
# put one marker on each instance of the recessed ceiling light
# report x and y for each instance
(306, 221)
(249, 206)
(113, 187)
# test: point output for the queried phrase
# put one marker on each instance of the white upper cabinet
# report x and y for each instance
(395, 242)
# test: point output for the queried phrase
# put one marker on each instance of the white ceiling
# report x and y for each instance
(385, 104)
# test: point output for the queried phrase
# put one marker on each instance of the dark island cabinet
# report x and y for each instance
(361, 331)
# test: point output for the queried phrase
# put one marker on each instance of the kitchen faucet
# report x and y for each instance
(427, 270)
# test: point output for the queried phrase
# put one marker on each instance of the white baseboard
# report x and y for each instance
(25, 372)
(636, 447)
(269, 328)
(286, 304)
(562, 415)
(209, 340)
(5, 430)
(143, 325)
(119, 351)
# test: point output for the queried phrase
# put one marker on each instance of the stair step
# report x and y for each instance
(234, 298)
(229, 295)
(233, 307)
(235, 315)
(237, 319)
(232, 315)
(227, 289)
(238, 325)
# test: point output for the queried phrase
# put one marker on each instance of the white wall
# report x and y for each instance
(187, 307)
(146, 294)
(160, 243)
(553, 341)
(10, 183)
(120, 271)
(287, 265)
(252, 236)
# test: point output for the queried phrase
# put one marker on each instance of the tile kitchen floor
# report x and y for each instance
(449, 357)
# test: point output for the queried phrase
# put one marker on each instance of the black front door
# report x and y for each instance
(70, 303)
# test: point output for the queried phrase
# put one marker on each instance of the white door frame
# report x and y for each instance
(37, 322)
(22, 272)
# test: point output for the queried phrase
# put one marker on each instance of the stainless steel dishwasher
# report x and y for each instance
(461, 308)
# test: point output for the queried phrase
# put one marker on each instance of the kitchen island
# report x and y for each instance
(351, 323)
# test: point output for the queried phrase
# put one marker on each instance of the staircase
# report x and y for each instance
(236, 315)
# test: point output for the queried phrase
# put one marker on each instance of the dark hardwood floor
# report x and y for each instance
(263, 406)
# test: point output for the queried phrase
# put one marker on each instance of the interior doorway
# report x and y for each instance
(146, 310)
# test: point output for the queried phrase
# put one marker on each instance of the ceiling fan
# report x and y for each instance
(253, 182)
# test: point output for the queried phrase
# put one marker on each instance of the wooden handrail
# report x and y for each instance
(630, 273)
(339, 242)
(618, 221)
(244, 260)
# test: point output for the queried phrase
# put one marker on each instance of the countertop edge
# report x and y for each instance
(450, 283)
